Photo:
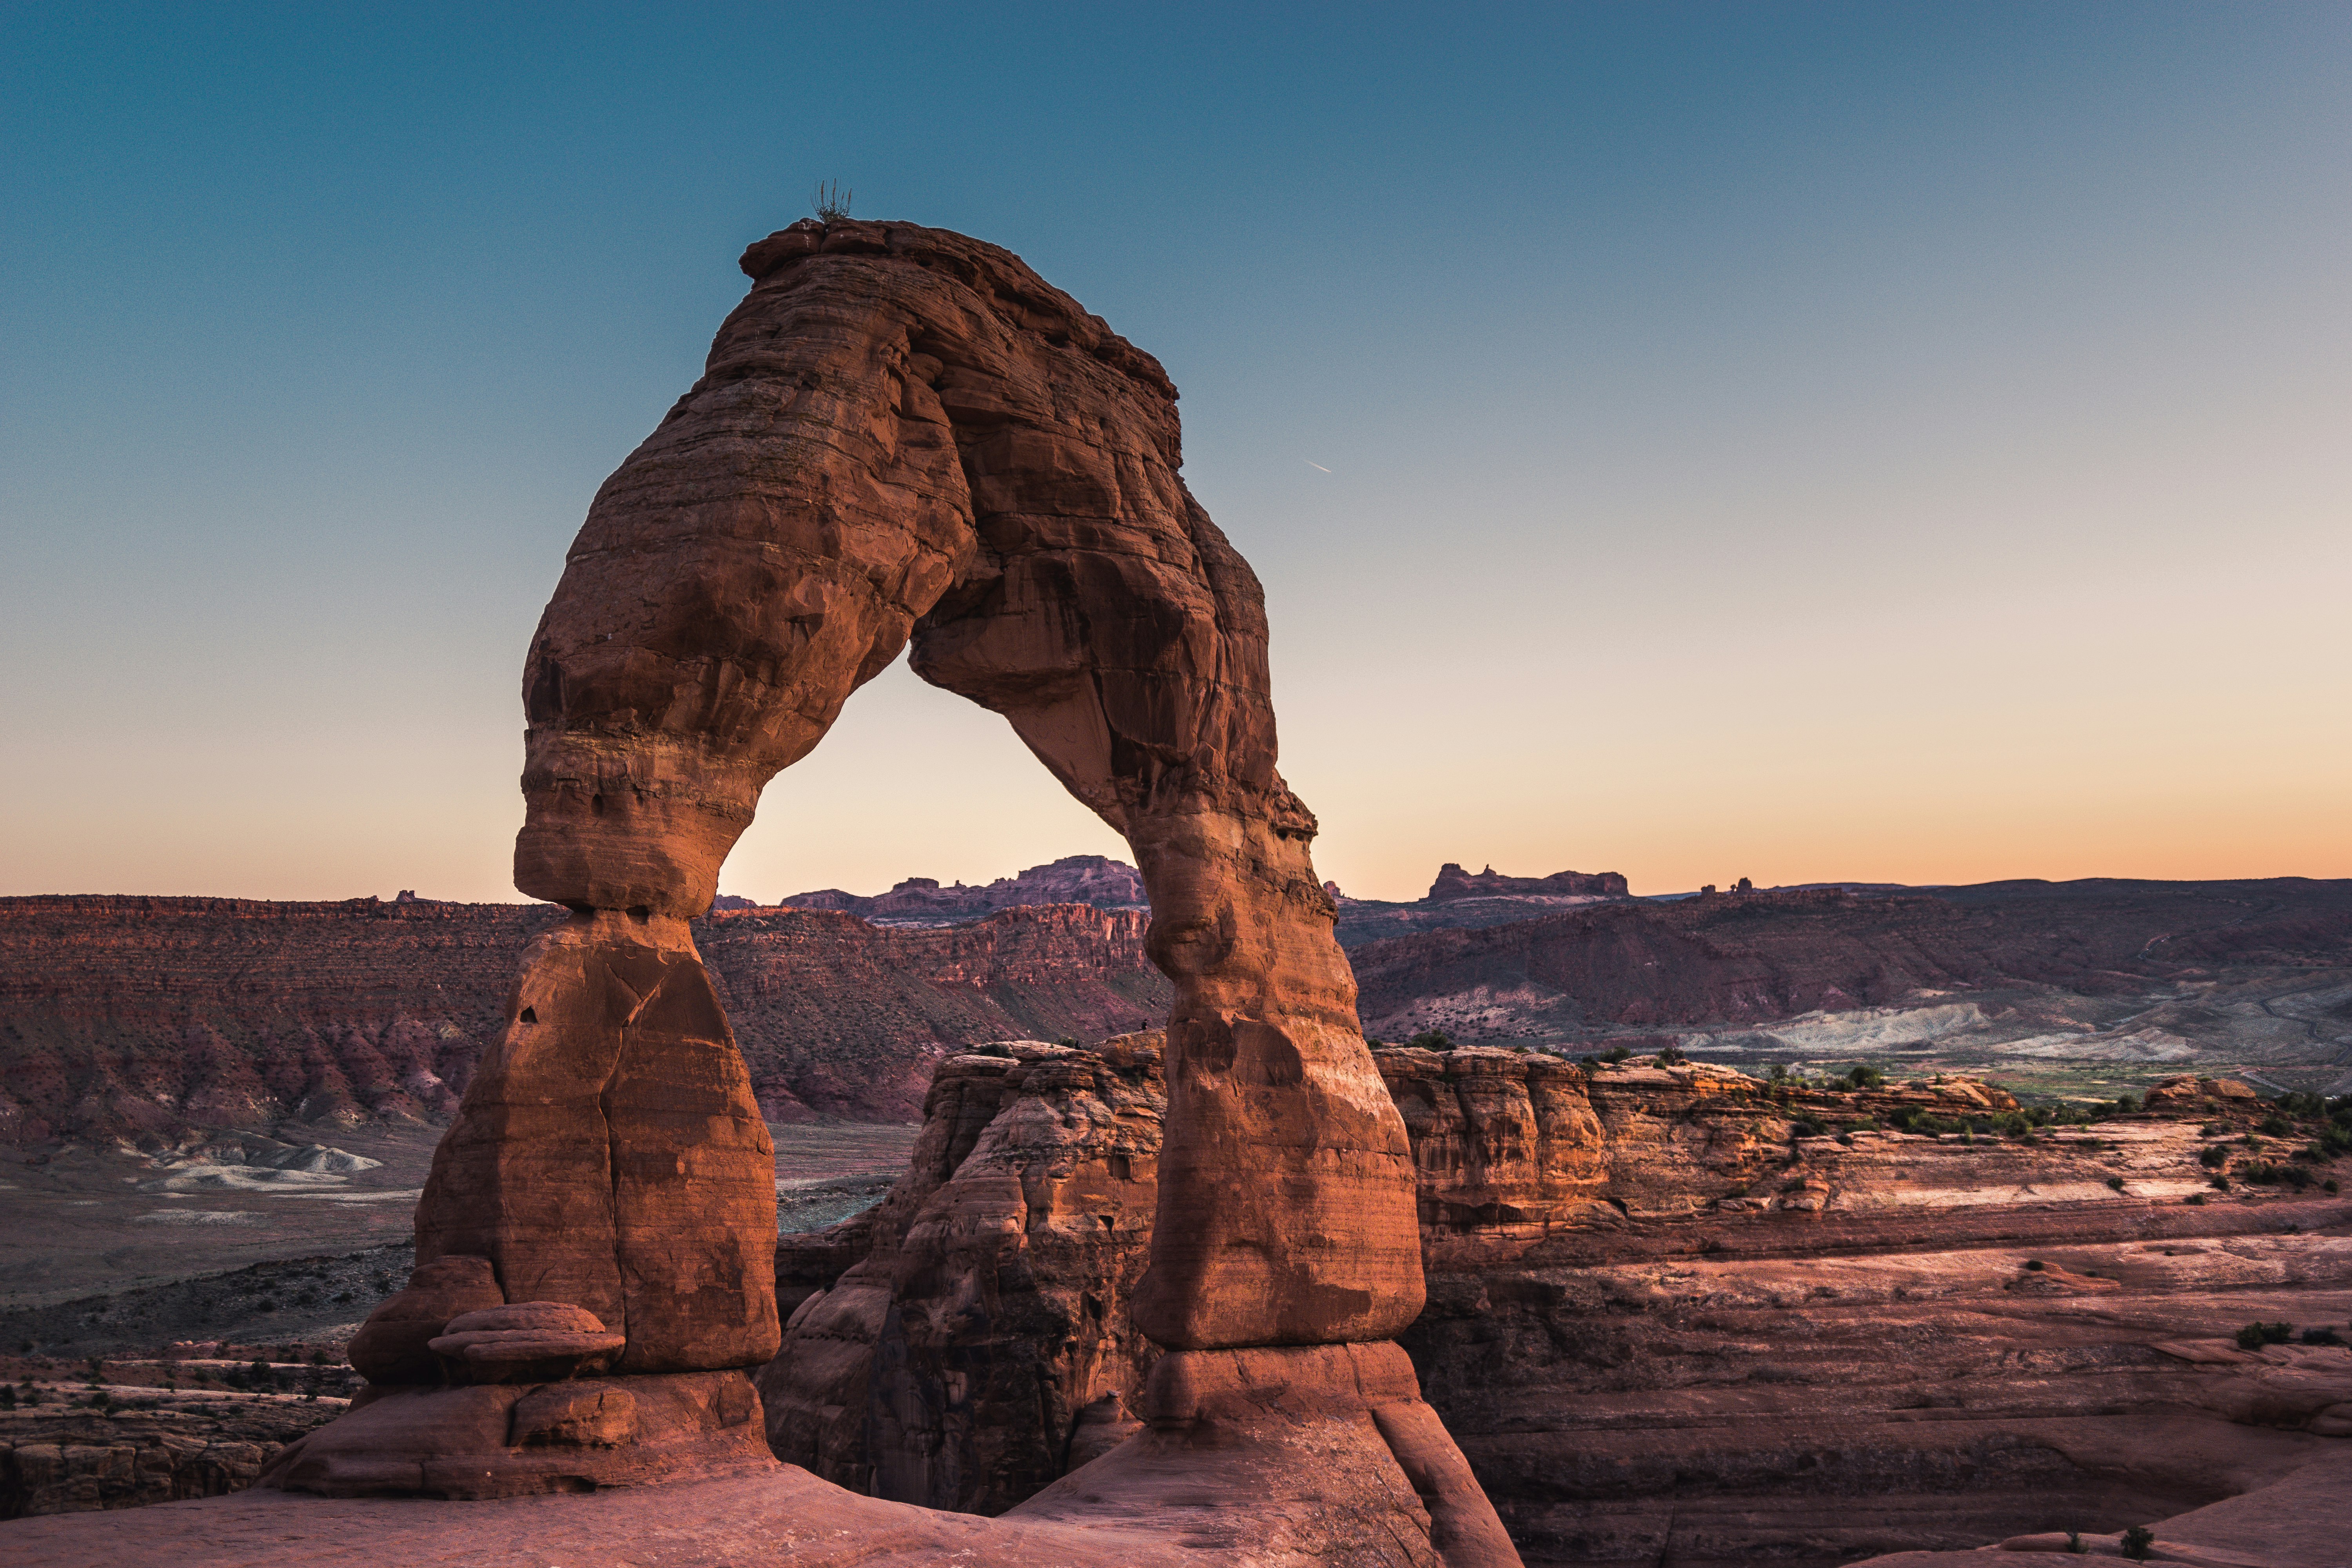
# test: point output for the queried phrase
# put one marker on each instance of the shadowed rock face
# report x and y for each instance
(984, 1330)
(906, 435)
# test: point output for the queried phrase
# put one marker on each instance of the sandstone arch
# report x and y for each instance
(906, 435)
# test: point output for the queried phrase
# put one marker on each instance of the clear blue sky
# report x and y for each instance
(1891, 441)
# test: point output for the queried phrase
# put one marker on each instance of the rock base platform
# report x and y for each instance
(506, 1440)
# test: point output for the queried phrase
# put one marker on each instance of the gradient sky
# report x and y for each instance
(1908, 443)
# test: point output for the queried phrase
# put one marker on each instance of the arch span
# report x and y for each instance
(903, 434)
(906, 436)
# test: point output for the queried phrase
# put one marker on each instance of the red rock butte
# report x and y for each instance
(907, 436)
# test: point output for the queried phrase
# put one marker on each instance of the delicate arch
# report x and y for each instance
(906, 434)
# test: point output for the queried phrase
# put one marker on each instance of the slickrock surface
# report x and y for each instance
(158, 1019)
(782, 1516)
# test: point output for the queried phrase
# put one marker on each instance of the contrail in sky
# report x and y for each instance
(1313, 464)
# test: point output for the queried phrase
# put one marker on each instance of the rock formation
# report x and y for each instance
(904, 435)
(2255, 968)
(1674, 1310)
(1454, 883)
(1094, 880)
(970, 1339)
(153, 1019)
(238, 1012)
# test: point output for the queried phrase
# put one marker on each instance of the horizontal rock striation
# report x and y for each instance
(1728, 960)
(83, 1460)
(1674, 1311)
(150, 1018)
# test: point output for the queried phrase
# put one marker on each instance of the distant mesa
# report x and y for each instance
(1095, 880)
(1452, 883)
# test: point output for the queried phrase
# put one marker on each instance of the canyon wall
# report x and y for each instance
(148, 1017)
(2035, 978)
(1675, 1313)
(143, 1017)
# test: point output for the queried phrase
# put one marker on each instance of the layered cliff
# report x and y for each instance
(1674, 1312)
(2031, 973)
(145, 1017)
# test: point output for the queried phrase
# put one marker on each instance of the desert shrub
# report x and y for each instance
(2220, 1184)
(2195, 1200)
(1805, 1127)
(2074, 1543)
(1778, 1073)
(2213, 1157)
(830, 202)
(2322, 1336)
(2277, 1127)
(1616, 1053)
(2137, 1541)
(2034, 1265)
(1865, 1077)
(1672, 1057)
(2330, 1184)
(2335, 1137)
(1867, 1124)
(2117, 1183)
(2127, 1104)
(1432, 1040)
(2013, 1124)
(2301, 1104)
(2257, 1334)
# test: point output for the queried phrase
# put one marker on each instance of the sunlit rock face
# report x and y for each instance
(904, 435)
(907, 436)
